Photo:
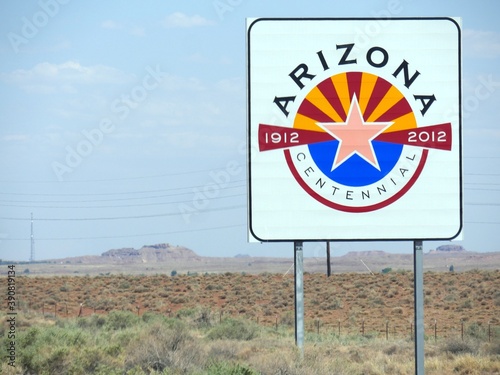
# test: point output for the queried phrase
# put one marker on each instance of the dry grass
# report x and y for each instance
(123, 343)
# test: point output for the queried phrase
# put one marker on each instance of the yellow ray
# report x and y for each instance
(367, 84)
(403, 122)
(317, 98)
(306, 123)
(342, 88)
(391, 97)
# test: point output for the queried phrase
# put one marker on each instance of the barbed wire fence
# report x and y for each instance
(388, 329)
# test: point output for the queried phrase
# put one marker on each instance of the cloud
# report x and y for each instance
(49, 78)
(180, 20)
(481, 44)
(15, 138)
(131, 30)
(110, 24)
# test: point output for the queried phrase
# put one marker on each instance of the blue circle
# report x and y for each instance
(355, 171)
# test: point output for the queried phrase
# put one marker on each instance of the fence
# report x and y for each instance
(388, 329)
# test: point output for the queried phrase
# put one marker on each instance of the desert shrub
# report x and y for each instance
(160, 348)
(224, 350)
(86, 360)
(496, 298)
(186, 313)
(492, 348)
(457, 346)
(204, 319)
(225, 368)
(124, 285)
(94, 321)
(117, 320)
(46, 350)
(476, 331)
(288, 319)
(149, 317)
(234, 329)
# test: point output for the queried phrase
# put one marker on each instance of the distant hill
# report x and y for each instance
(166, 258)
(449, 249)
(368, 253)
(146, 254)
(151, 253)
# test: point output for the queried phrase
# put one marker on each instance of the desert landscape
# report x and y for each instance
(233, 313)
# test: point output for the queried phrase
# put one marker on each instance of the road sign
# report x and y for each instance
(354, 129)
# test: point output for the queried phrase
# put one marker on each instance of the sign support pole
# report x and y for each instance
(299, 295)
(418, 290)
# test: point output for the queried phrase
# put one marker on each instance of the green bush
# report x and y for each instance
(117, 320)
(234, 329)
(160, 348)
(224, 368)
(94, 321)
(476, 331)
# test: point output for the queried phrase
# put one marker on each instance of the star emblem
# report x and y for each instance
(355, 136)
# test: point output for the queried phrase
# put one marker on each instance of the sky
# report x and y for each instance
(124, 124)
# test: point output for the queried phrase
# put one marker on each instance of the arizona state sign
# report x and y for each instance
(354, 129)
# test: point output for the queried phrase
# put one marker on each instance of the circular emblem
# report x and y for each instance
(355, 152)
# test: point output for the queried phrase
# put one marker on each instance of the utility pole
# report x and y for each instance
(328, 265)
(32, 257)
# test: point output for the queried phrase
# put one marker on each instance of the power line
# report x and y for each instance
(121, 217)
(127, 192)
(171, 232)
(129, 235)
(118, 205)
(115, 179)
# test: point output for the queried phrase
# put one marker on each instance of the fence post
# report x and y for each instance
(387, 330)
(462, 330)
(435, 330)
(339, 327)
(43, 309)
(489, 331)
(317, 325)
(55, 310)
(363, 327)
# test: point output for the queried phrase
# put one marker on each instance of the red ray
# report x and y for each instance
(354, 83)
(379, 90)
(308, 109)
(328, 90)
(399, 109)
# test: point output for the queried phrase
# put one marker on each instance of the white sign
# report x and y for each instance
(354, 129)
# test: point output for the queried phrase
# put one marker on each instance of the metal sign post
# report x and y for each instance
(418, 285)
(299, 295)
